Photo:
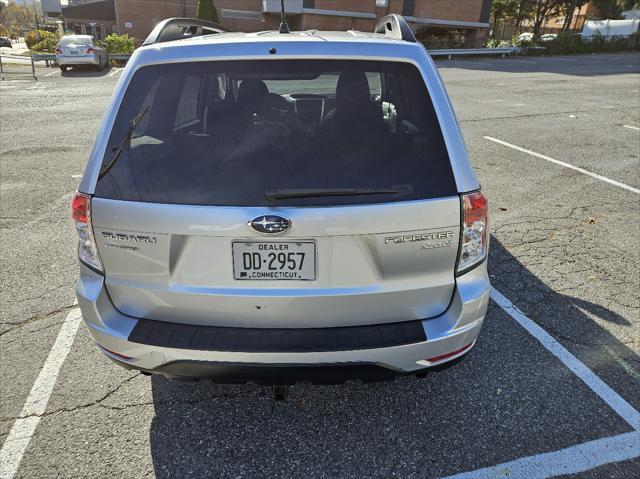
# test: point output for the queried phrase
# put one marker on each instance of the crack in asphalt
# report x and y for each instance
(32, 331)
(79, 406)
(39, 296)
(36, 318)
(99, 402)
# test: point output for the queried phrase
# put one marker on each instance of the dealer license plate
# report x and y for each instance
(276, 260)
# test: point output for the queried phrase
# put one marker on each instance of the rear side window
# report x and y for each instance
(231, 133)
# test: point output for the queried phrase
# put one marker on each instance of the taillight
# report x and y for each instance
(91, 50)
(59, 51)
(81, 213)
(474, 241)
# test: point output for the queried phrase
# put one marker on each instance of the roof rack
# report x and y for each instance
(181, 28)
(395, 26)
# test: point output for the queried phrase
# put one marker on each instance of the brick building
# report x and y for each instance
(91, 18)
(468, 20)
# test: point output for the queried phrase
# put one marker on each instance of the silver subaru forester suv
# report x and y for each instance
(279, 207)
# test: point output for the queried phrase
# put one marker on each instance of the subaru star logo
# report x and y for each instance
(270, 224)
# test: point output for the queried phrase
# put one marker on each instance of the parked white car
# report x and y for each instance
(525, 37)
(77, 50)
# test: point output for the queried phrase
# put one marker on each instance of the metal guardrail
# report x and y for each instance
(4, 74)
(449, 53)
(46, 57)
(43, 56)
(471, 52)
(119, 56)
(50, 57)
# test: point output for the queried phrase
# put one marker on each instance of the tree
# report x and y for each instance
(207, 11)
(613, 8)
(524, 12)
(608, 8)
(569, 10)
(542, 11)
(629, 4)
(503, 10)
(21, 15)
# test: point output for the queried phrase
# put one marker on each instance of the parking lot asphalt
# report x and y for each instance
(564, 251)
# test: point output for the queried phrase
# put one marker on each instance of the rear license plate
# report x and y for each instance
(73, 52)
(290, 260)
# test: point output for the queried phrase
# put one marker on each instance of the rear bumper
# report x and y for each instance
(449, 336)
(70, 60)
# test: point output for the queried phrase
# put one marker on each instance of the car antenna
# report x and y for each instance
(284, 28)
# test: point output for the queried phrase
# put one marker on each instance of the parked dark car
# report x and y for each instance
(5, 42)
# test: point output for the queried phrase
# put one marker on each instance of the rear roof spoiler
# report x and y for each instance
(181, 28)
(395, 26)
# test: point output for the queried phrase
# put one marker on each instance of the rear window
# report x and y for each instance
(239, 133)
(76, 40)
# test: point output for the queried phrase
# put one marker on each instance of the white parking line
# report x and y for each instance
(574, 459)
(566, 165)
(52, 73)
(597, 385)
(565, 461)
(116, 70)
(25, 425)
(631, 127)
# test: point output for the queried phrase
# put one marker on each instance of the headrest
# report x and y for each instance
(251, 90)
(352, 88)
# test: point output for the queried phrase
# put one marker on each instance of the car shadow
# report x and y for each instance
(85, 72)
(572, 65)
(502, 402)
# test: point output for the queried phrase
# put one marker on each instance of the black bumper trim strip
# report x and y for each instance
(276, 340)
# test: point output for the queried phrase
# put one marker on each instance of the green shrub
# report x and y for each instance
(48, 45)
(36, 36)
(496, 43)
(570, 43)
(443, 42)
(121, 44)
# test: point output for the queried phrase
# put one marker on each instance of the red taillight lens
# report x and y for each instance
(448, 355)
(87, 249)
(91, 50)
(474, 244)
(475, 207)
(80, 208)
(119, 355)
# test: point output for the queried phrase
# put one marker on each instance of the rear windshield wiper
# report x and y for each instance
(284, 193)
(133, 124)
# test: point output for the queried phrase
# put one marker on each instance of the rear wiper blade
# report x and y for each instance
(133, 124)
(287, 193)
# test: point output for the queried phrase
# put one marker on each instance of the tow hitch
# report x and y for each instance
(280, 393)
